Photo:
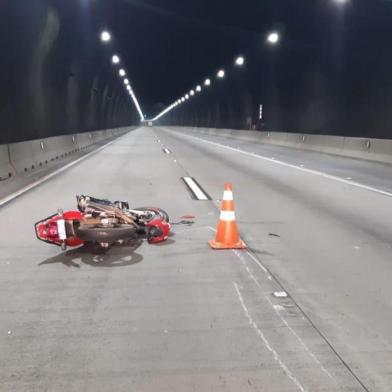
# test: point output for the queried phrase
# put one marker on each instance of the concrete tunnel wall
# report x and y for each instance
(23, 157)
(56, 77)
(371, 149)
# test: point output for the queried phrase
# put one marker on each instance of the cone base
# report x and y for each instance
(217, 245)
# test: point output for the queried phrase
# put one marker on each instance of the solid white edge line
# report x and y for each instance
(195, 188)
(310, 171)
(314, 357)
(34, 184)
(266, 343)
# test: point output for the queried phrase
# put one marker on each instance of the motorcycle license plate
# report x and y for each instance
(61, 229)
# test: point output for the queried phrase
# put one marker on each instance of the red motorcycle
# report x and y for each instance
(103, 223)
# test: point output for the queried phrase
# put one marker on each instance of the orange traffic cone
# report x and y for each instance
(227, 234)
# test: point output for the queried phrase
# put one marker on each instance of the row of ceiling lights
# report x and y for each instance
(106, 37)
(272, 38)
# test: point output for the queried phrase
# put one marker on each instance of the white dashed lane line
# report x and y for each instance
(196, 190)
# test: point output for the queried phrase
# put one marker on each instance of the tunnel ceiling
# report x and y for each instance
(172, 45)
(56, 75)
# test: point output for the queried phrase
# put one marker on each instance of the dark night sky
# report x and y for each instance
(331, 73)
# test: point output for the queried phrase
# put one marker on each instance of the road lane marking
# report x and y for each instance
(197, 191)
(267, 344)
(34, 184)
(303, 169)
(278, 309)
(280, 294)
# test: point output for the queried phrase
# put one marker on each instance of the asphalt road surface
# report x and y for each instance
(181, 317)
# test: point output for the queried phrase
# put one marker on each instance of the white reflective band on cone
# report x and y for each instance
(228, 195)
(227, 216)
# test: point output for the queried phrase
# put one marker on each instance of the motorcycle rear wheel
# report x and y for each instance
(106, 234)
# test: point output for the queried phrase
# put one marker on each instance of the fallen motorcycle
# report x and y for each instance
(103, 223)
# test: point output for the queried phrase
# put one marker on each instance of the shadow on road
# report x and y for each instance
(116, 256)
(166, 243)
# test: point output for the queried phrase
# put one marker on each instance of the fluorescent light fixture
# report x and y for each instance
(174, 104)
(134, 99)
(106, 36)
(221, 74)
(240, 61)
(115, 59)
(273, 38)
(122, 72)
(207, 82)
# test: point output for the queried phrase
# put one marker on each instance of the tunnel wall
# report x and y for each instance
(24, 157)
(322, 78)
(56, 77)
(371, 149)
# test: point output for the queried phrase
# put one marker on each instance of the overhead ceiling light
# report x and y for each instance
(198, 89)
(186, 96)
(273, 38)
(207, 82)
(115, 59)
(126, 81)
(122, 72)
(240, 61)
(106, 36)
(182, 99)
(221, 74)
(129, 87)
(192, 92)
